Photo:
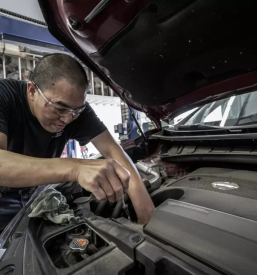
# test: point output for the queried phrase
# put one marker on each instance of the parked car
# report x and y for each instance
(163, 58)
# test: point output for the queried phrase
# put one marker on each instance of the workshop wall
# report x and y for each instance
(109, 112)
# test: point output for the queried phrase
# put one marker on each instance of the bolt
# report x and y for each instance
(75, 24)
(136, 239)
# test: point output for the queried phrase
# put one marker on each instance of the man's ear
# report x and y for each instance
(31, 90)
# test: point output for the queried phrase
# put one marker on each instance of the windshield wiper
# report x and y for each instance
(197, 126)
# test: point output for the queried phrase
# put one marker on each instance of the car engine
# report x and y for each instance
(203, 223)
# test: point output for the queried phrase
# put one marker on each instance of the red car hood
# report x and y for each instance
(164, 56)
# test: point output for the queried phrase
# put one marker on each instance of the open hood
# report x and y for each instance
(164, 56)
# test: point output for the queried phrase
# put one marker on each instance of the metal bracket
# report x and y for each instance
(2, 251)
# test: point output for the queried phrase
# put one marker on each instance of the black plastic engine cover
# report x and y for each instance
(224, 241)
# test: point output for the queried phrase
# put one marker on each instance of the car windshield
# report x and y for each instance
(233, 111)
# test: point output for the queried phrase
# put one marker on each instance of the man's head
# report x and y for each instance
(57, 91)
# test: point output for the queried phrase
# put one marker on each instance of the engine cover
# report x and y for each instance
(225, 241)
(234, 182)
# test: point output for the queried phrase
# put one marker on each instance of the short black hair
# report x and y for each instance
(54, 67)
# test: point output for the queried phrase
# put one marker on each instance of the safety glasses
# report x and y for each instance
(58, 109)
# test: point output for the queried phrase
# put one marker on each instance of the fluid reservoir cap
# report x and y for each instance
(79, 245)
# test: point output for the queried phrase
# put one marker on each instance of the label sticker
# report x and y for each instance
(82, 242)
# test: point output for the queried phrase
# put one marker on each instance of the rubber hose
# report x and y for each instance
(118, 207)
(100, 207)
(147, 184)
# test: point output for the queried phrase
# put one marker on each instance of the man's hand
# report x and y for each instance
(137, 192)
(104, 178)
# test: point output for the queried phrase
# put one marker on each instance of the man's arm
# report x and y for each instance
(21, 171)
(101, 177)
(138, 194)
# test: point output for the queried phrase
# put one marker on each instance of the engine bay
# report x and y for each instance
(72, 247)
(205, 222)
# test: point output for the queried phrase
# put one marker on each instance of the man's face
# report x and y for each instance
(63, 95)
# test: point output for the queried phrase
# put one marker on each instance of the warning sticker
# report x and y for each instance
(82, 242)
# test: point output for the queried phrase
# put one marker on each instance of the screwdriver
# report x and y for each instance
(125, 207)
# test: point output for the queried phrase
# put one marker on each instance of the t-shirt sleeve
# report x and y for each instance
(5, 109)
(87, 126)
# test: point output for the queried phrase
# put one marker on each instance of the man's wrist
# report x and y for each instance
(73, 169)
(66, 168)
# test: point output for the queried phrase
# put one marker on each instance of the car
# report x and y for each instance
(164, 58)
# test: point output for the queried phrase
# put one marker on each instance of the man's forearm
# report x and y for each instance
(22, 171)
(138, 194)
(140, 198)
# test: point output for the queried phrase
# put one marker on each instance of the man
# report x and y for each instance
(36, 121)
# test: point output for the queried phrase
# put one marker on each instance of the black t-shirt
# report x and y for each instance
(24, 133)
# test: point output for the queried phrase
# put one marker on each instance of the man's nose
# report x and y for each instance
(66, 119)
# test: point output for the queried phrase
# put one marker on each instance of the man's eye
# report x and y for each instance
(61, 110)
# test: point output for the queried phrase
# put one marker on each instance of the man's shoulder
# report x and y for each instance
(10, 87)
(87, 115)
(9, 83)
(87, 126)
